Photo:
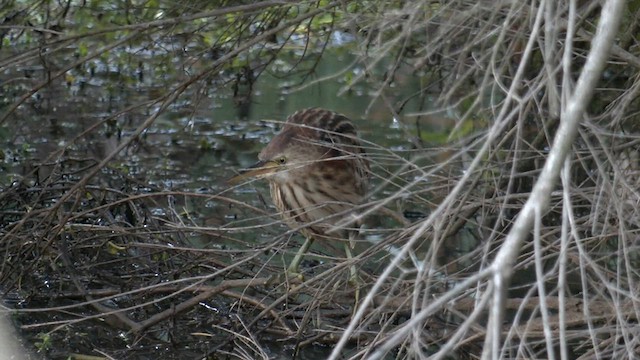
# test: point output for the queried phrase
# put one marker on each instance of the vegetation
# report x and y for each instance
(513, 233)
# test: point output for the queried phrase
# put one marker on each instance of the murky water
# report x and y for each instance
(204, 137)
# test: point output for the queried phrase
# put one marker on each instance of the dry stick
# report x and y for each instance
(418, 318)
(139, 27)
(535, 328)
(231, 201)
(119, 319)
(165, 101)
(189, 288)
(445, 204)
(394, 340)
(502, 266)
(541, 282)
(212, 290)
(399, 257)
(292, 291)
(188, 304)
(550, 42)
(259, 304)
(64, 70)
(614, 290)
(564, 246)
(566, 185)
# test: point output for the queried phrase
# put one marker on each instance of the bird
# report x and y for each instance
(318, 173)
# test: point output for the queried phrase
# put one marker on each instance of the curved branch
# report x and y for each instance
(571, 115)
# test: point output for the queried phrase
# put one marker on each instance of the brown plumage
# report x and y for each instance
(317, 172)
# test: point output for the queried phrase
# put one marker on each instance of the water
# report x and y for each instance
(193, 148)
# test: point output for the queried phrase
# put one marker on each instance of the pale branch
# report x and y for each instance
(571, 115)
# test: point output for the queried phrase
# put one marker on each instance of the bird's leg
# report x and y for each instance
(292, 271)
(354, 280)
(353, 272)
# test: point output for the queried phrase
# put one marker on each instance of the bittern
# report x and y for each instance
(317, 173)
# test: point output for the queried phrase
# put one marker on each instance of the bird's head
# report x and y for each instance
(312, 142)
(288, 155)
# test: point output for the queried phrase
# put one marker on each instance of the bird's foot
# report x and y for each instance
(292, 276)
(288, 278)
(354, 278)
(352, 287)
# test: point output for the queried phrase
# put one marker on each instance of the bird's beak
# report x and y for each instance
(257, 170)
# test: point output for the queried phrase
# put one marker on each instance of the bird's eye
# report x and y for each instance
(282, 160)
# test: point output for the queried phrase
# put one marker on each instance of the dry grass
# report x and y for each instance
(526, 246)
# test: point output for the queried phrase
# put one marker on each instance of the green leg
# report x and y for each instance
(295, 263)
(353, 274)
